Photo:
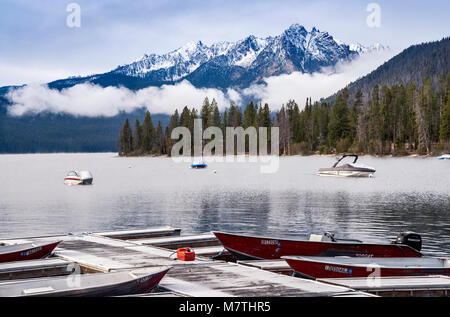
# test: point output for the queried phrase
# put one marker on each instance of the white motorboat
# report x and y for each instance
(348, 169)
(444, 157)
(78, 178)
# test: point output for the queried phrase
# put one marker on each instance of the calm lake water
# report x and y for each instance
(405, 194)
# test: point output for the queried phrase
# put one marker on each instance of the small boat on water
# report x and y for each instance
(140, 281)
(26, 251)
(348, 169)
(444, 157)
(345, 267)
(407, 244)
(199, 165)
(78, 178)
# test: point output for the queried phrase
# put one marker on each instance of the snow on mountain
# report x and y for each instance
(294, 50)
(231, 64)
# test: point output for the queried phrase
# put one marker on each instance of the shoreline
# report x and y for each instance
(115, 154)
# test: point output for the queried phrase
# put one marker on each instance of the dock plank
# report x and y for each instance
(191, 241)
(141, 233)
(276, 266)
(35, 269)
(397, 286)
(230, 280)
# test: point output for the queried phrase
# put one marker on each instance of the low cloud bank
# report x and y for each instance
(298, 86)
(93, 100)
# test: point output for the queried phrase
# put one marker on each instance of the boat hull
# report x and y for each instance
(199, 166)
(346, 173)
(320, 268)
(72, 181)
(142, 285)
(27, 252)
(86, 285)
(259, 248)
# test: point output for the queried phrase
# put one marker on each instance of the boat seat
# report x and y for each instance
(316, 237)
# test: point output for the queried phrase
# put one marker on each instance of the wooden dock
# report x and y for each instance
(128, 250)
(202, 277)
(420, 286)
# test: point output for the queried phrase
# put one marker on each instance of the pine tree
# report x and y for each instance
(445, 124)
(148, 133)
(185, 118)
(224, 123)
(126, 139)
(159, 143)
(374, 121)
(444, 131)
(411, 127)
(359, 121)
(215, 122)
(214, 115)
(174, 122)
(339, 126)
(234, 116)
(205, 113)
(137, 136)
(285, 130)
(249, 115)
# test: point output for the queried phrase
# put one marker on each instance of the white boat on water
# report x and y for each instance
(78, 178)
(348, 169)
(444, 157)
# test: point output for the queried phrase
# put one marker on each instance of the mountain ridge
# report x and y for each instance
(428, 59)
(226, 64)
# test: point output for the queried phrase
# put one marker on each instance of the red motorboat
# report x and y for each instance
(346, 267)
(243, 247)
(26, 251)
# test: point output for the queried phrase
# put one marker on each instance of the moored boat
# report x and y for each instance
(347, 170)
(26, 251)
(245, 247)
(345, 267)
(444, 157)
(87, 285)
(78, 178)
(199, 165)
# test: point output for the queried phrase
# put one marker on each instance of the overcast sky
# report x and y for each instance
(37, 46)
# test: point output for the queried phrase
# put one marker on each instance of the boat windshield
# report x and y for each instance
(345, 156)
(72, 173)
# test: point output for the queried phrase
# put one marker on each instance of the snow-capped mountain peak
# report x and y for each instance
(241, 63)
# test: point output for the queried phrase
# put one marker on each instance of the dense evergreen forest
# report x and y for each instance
(413, 64)
(395, 120)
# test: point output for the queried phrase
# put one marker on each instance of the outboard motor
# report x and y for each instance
(411, 239)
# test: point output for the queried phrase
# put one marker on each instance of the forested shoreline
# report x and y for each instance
(397, 120)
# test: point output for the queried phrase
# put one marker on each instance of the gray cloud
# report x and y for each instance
(92, 100)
